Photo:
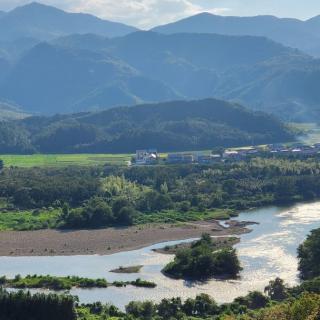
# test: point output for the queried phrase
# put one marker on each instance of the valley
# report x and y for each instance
(160, 165)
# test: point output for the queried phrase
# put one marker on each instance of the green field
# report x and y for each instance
(29, 220)
(61, 160)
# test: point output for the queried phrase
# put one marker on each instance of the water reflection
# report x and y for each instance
(265, 253)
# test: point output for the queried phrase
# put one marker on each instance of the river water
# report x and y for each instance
(267, 252)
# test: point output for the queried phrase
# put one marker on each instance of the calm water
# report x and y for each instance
(265, 253)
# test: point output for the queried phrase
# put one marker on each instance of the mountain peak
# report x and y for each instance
(36, 7)
(44, 22)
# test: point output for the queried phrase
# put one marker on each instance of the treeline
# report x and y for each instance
(172, 126)
(24, 306)
(120, 196)
(36, 188)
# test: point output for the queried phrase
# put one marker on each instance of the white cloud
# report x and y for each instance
(141, 13)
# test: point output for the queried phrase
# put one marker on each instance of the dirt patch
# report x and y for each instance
(105, 241)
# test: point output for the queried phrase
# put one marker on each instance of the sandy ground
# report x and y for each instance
(104, 241)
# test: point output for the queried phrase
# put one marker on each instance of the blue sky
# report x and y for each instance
(148, 13)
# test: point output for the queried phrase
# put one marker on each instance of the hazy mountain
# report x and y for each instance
(89, 72)
(207, 51)
(10, 112)
(285, 86)
(290, 32)
(191, 63)
(53, 79)
(172, 126)
(15, 49)
(45, 22)
(4, 68)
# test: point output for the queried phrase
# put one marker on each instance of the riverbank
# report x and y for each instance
(106, 241)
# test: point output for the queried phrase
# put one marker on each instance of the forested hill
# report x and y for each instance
(171, 126)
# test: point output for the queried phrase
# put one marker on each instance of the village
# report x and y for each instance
(153, 157)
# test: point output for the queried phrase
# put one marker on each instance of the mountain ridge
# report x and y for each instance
(288, 31)
(168, 126)
(45, 22)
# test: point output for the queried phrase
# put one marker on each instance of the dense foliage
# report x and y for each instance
(72, 197)
(67, 283)
(309, 256)
(52, 283)
(201, 262)
(172, 126)
(24, 306)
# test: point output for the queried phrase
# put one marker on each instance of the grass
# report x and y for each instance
(52, 283)
(63, 160)
(217, 244)
(40, 219)
(29, 220)
(67, 283)
(171, 216)
(132, 269)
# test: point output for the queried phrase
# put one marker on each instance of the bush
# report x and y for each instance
(309, 256)
(199, 262)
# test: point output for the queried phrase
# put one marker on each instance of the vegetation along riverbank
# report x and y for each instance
(144, 204)
(67, 283)
(278, 301)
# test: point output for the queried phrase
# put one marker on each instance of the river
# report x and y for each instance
(265, 253)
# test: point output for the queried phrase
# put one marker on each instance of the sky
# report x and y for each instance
(148, 13)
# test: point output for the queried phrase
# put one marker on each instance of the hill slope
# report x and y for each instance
(92, 72)
(171, 126)
(57, 80)
(89, 72)
(290, 32)
(45, 22)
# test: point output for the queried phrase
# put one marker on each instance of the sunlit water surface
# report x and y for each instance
(267, 252)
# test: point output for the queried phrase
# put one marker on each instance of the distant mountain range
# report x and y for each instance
(43, 22)
(90, 72)
(304, 35)
(172, 126)
(86, 63)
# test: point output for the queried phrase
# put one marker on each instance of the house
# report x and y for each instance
(309, 150)
(207, 159)
(180, 158)
(232, 155)
(296, 151)
(146, 156)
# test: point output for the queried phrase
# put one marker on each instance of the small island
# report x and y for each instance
(200, 262)
(67, 283)
(132, 269)
(216, 244)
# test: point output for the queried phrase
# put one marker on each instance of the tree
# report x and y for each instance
(276, 290)
(95, 214)
(257, 300)
(309, 256)
(125, 216)
(285, 189)
(200, 262)
(118, 204)
(169, 308)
